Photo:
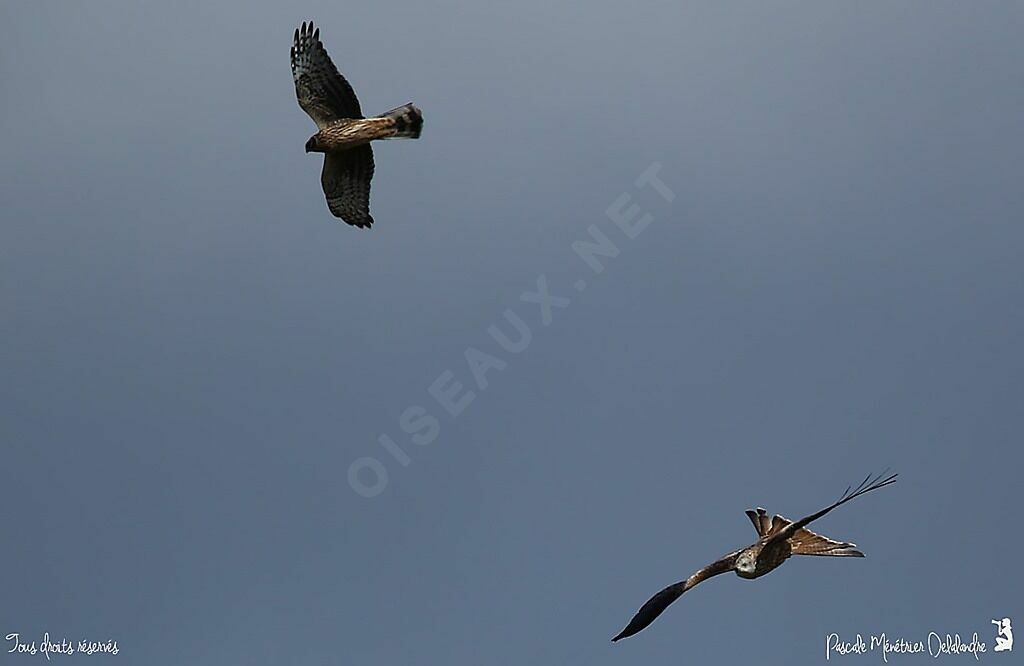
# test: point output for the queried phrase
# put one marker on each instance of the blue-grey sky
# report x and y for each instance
(194, 352)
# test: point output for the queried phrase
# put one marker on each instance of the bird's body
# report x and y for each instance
(344, 135)
(762, 557)
(351, 132)
(779, 539)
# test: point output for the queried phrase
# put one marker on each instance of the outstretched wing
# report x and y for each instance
(865, 486)
(346, 181)
(322, 91)
(660, 601)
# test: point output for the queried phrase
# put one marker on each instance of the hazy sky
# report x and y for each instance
(194, 352)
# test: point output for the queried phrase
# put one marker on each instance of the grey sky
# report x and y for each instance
(194, 351)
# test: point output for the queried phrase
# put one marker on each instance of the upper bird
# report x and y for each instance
(344, 134)
(779, 538)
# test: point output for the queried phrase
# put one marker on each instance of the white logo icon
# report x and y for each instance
(1004, 635)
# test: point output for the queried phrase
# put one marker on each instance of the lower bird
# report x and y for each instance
(779, 538)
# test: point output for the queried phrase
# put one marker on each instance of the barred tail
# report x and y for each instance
(408, 121)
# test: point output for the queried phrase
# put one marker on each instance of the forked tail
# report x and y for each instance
(408, 121)
(806, 542)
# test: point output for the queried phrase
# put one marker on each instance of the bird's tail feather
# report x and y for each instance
(806, 542)
(408, 121)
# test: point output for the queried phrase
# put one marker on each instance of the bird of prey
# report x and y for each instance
(778, 539)
(344, 134)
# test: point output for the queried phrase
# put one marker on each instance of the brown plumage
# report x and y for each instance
(779, 539)
(344, 135)
(804, 541)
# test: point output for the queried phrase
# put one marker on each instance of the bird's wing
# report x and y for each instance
(346, 181)
(865, 486)
(322, 91)
(660, 601)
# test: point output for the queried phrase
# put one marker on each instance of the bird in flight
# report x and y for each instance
(778, 539)
(344, 134)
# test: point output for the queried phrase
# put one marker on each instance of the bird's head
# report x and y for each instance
(746, 563)
(311, 144)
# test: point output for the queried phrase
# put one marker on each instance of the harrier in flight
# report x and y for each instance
(344, 134)
(779, 538)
